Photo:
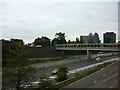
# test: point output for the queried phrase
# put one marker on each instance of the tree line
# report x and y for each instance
(59, 39)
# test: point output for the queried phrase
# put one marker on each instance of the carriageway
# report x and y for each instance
(113, 47)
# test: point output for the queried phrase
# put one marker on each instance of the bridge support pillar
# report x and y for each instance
(112, 53)
(62, 53)
(89, 54)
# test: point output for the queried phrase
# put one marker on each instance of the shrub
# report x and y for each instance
(62, 73)
(61, 76)
(62, 69)
(44, 81)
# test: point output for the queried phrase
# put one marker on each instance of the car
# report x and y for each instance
(54, 72)
(98, 59)
(64, 56)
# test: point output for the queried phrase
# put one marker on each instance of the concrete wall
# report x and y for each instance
(44, 52)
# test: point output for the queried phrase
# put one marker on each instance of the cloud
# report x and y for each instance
(29, 20)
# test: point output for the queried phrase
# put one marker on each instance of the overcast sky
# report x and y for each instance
(29, 20)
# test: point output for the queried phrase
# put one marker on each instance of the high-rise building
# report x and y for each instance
(109, 37)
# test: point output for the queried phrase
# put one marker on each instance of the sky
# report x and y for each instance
(28, 20)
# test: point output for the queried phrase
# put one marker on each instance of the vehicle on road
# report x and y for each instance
(54, 72)
(98, 59)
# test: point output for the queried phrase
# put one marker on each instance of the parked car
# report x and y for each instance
(98, 59)
(54, 72)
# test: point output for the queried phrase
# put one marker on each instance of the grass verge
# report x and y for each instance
(33, 62)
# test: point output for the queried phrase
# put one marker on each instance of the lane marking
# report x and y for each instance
(90, 66)
(94, 81)
(103, 75)
(90, 74)
(108, 78)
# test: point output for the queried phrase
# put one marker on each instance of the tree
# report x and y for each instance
(6, 53)
(17, 77)
(54, 41)
(60, 38)
(62, 73)
(77, 40)
(9, 50)
(69, 41)
(44, 41)
(17, 72)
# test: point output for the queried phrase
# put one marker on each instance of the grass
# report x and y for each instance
(78, 77)
(42, 61)
(32, 62)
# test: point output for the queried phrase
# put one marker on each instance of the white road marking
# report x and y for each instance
(108, 78)
(103, 75)
(94, 81)
(52, 77)
(90, 66)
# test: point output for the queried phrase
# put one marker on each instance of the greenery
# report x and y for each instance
(10, 51)
(44, 81)
(77, 40)
(59, 39)
(16, 72)
(61, 76)
(62, 73)
(5, 56)
(43, 41)
(43, 60)
(62, 69)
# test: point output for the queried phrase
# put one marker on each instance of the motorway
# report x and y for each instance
(73, 64)
(57, 63)
(105, 78)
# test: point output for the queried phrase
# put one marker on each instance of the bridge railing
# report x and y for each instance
(90, 45)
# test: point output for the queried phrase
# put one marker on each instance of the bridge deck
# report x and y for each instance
(90, 46)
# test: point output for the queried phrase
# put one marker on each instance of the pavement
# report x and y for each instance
(105, 78)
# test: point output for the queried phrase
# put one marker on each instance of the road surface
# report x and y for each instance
(72, 66)
(105, 78)
(57, 63)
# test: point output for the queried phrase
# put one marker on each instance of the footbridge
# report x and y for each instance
(90, 47)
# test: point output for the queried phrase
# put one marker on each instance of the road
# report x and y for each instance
(74, 65)
(105, 78)
(57, 63)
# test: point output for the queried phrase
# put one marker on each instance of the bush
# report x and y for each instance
(61, 76)
(62, 69)
(62, 73)
(44, 81)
